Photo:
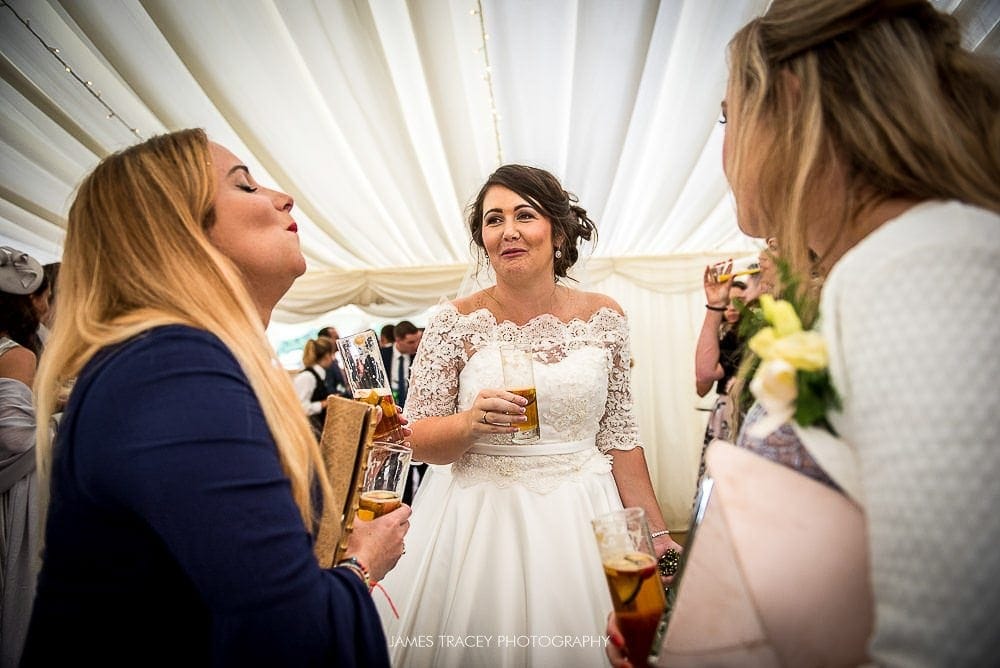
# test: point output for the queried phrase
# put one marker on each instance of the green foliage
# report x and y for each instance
(816, 396)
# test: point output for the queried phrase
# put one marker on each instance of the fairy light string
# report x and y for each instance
(87, 85)
(488, 77)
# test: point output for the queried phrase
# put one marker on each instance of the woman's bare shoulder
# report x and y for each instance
(592, 302)
(469, 303)
(19, 364)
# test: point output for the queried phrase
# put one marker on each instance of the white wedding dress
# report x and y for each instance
(501, 567)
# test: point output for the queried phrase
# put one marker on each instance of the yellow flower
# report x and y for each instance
(785, 339)
(763, 342)
(781, 315)
(803, 350)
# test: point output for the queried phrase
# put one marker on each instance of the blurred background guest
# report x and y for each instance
(336, 381)
(397, 357)
(386, 336)
(717, 356)
(21, 278)
(310, 383)
(44, 301)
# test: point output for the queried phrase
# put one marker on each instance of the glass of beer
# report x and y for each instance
(369, 382)
(629, 561)
(385, 476)
(519, 378)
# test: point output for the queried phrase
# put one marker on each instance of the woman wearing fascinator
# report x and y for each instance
(20, 277)
(502, 544)
(866, 138)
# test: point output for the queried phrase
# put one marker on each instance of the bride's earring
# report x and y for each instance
(558, 253)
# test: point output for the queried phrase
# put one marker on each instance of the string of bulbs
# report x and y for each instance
(88, 85)
(488, 76)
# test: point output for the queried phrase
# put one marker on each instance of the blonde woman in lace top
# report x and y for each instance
(501, 549)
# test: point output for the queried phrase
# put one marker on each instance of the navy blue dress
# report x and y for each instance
(172, 537)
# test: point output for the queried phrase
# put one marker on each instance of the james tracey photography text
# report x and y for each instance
(499, 641)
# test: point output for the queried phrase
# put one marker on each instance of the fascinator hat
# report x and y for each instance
(20, 274)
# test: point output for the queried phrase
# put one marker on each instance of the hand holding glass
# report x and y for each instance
(629, 561)
(519, 378)
(385, 477)
(369, 382)
(730, 269)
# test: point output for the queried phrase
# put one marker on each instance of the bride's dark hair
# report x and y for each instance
(543, 191)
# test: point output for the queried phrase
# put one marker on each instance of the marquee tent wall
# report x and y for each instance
(382, 117)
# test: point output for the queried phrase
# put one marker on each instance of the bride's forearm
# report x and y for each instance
(440, 439)
(634, 486)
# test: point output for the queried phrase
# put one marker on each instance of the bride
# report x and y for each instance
(502, 568)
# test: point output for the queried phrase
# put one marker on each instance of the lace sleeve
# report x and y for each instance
(434, 376)
(618, 429)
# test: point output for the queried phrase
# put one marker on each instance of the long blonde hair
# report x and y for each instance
(136, 257)
(882, 86)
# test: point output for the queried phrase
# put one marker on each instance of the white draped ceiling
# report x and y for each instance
(382, 117)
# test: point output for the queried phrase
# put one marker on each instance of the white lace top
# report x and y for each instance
(581, 374)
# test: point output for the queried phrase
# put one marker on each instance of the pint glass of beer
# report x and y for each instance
(369, 382)
(385, 477)
(519, 378)
(629, 562)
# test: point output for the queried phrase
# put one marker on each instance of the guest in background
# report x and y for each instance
(21, 276)
(184, 478)
(336, 381)
(44, 301)
(717, 356)
(397, 358)
(310, 383)
(386, 336)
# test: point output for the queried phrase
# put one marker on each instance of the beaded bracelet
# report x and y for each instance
(357, 567)
(657, 534)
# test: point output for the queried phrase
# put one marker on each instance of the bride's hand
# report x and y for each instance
(496, 412)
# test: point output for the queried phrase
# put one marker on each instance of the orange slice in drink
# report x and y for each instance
(626, 574)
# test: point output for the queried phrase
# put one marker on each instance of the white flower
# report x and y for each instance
(776, 387)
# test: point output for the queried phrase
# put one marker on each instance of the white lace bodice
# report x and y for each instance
(581, 373)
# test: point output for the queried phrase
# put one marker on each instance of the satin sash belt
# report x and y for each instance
(515, 450)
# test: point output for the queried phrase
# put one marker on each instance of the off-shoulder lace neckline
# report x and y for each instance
(539, 317)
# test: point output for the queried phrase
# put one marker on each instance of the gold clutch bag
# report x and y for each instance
(775, 572)
(345, 443)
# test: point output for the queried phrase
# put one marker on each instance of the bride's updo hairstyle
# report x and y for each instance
(543, 191)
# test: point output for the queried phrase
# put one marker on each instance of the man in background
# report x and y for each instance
(397, 359)
(387, 337)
